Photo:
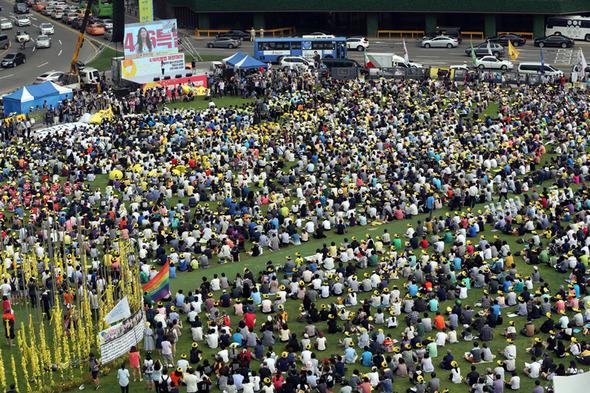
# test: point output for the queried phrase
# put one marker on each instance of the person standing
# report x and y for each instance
(134, 363)
(123, 378)
(94, 369)
(8, 322)
(252, 34)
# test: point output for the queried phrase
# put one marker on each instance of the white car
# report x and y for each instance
(296, 62)
(442, 41)
(357, 43)
(491, 62)
(22, 20)
(50, 76)
(43, 41)
(5, 24)
(318, 34)
(463, 67)
(57, 14)
(46, 29)
(108, 23)
(22, 36)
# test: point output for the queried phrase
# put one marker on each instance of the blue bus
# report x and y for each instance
(273, 49)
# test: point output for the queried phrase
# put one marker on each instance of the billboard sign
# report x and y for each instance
(153, 66)
(151, 39)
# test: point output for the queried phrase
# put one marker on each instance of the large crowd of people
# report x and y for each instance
(312, 159)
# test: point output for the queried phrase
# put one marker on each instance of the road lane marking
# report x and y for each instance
(43, 64)
(61, 50)
(6, 76)
(59, 42)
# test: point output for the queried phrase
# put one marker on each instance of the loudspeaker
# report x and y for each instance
(156, 79)
(166, 77)
(118, 20)
(189, 74)
(178, 76)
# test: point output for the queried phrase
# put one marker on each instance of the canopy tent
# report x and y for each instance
(241, 61)
(34, 97)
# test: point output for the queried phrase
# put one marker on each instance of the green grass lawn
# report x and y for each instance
(201, 103)
(102, 61)
(189, 281)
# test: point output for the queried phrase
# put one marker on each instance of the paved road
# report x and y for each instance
(561, 58)
(58, 57)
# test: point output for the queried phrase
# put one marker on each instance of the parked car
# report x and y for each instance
(238, 35)
(442, 41)
(318, 34)
(538, 68)
(43, 41)
(22, 20)
(295, 62)
(4, 41)
(5, 24)
(503, 39)
(95, 29)
(555, 40)
(491, 62)
(224, 43)
(358, 43)
(13, 59)
(484, 49)
(50, 76)
(21, 8)
(46, 29)
(22, 36)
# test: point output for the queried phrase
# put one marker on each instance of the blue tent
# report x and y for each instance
(241, 61)
(35, 96)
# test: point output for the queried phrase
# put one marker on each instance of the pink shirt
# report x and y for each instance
(134, 359)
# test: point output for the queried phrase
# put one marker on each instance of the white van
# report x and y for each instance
(535, 68)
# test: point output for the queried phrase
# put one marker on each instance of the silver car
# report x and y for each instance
(442, 41)
(224, 43)
(43, 41)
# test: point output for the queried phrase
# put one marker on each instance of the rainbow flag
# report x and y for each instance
(159, 286)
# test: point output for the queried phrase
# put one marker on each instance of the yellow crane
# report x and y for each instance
(74, 65)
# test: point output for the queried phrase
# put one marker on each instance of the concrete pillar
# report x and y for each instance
(258, 21)
(538, 25)
(372, 25)
(429, 23)
(203, 20)
(489, 25)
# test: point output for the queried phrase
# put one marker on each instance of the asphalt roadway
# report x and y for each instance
(58, 57)
(563, 59)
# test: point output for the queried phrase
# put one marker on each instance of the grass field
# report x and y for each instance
(201, 103)
(189, 281)
(102, 61)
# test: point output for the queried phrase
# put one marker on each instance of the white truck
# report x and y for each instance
(376, 62)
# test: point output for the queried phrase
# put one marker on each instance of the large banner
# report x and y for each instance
(118, 339)
(151, 39)
(153, 66)
(146, 10)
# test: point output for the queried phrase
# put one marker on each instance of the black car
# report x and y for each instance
(556, 40)
(235, 35)
(4, 41)
(503, 39)
(484, 49)
(13, 59)
(21, 8)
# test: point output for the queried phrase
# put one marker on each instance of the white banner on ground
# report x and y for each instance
(120, 311)
(571, 383)
(118, 339)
